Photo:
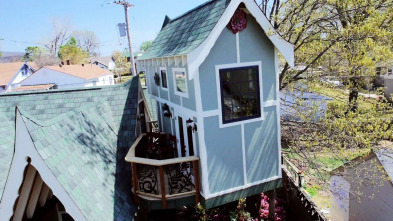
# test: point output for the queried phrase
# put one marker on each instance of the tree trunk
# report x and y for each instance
(353, 94)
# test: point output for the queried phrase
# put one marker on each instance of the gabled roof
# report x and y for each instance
(8, 71)
(195, 32)
(183, 34)
(82, 135)
(384, 154)
(85, 72)
(102, 60)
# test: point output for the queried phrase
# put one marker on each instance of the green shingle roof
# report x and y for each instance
(186, 32)
(83, 136)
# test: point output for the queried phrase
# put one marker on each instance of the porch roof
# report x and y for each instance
(82, 135)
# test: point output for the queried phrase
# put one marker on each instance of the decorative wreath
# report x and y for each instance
(238, 21)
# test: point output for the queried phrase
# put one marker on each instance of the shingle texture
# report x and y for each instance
(83, 136)
(186, 32)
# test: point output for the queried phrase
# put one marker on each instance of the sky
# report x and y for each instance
(26, 23)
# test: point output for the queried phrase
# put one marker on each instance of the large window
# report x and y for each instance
(240, 94)
(164, 81)
(180, 83)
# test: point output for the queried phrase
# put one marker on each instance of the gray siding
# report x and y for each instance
(224, 155)
(223, 52)
(255, 46)
(261, 147)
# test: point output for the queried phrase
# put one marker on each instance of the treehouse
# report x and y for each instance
(213, 73)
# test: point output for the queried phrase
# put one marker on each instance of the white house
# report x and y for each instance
(13, 73)
(67, 76)
(104, 62)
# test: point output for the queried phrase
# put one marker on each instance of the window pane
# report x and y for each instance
(240, 93)
(181, 81)
(163, 79)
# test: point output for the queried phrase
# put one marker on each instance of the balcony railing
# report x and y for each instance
(162, 179)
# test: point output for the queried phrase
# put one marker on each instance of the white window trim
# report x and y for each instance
(166, 73)
(182, 94)
(238, 65)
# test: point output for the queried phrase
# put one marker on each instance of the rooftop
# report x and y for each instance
(85, 72)
(8, 71)
(94, 125)
(186, 32)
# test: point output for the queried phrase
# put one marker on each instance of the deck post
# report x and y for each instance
(196, 181)
(135, 181)
(162, 180)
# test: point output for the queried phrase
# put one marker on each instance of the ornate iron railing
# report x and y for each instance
(163, 179)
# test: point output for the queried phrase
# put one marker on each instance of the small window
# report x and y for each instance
(240, 94)
(180, 78)
(378, 70)
(164, 81)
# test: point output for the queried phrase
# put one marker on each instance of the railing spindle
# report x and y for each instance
(163, 193)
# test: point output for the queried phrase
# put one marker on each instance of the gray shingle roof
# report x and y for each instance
(83, 136)
(186, 32)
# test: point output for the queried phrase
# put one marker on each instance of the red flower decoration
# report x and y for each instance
(238, 21)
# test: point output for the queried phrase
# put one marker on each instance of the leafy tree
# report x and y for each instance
(352, 35)
(145, 45)
(122, 65)
(364, 29)
(72, 52)
(31, 53)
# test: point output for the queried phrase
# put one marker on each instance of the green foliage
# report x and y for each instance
(72, 52)
(122, 65)
(347, 37)
(32, 53)
(145, 45)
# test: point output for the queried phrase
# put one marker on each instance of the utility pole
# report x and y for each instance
(126, 6)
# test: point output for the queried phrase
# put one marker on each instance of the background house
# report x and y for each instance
(217, 91)
(104, 62)
(388, 85)
(11, 74)
(362, 189)
(67, 76)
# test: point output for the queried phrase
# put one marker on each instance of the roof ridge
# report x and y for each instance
(60, 117)
(192, 10)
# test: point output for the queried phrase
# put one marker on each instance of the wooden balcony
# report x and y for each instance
(157, 175)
